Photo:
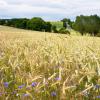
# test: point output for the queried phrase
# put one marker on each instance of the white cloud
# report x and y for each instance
(48, 9)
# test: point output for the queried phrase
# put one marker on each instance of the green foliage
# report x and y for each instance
(35, 23)
(67, 22)
(82, 24)
(48, 27)
(54, 29)
(58, 24)
(63, 31)
(2, 21)
(87, 24)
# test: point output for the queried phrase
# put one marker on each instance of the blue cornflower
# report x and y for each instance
(97, 86)
(6, 84)
(98, 96)
(34, 84)
(57, 78)
(21, 86)
(53, 94)
(26, 95)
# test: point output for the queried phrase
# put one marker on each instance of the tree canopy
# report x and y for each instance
(87, 24)
(35, 23)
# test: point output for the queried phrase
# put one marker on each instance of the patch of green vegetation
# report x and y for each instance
(58, 24)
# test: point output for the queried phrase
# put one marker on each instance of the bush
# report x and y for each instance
(54, 29)
(48, 27)
(64, 31)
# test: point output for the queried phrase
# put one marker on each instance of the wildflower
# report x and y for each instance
(97, 86)
(6, 84)
(21, 86)
(53, 94)
(34, 84)
(57, 78)
(98, 96)
(26, 95)
(46, 83)
(17, 94)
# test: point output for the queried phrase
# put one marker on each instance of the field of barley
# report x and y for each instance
(48, 66)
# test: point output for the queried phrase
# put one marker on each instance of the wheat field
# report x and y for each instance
(48, 66)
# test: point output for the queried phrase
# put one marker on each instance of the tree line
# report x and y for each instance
(36, 23)
(82, 24)
(87, 24)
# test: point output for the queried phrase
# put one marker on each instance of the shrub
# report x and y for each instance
(54, 29)
(64, 31)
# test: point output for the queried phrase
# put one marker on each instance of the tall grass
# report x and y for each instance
(56, 67)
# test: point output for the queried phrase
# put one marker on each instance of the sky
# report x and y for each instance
(48, 9)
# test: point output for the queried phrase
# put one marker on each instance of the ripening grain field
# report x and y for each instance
(47, 66)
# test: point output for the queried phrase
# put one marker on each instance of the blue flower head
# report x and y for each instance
(98, 96)
(53, 94)
(57, 78)
(34, 84)
(97, 86)
(6, 84)
(21, 86)
(26, 95)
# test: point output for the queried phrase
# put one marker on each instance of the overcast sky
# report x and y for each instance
(48, 9)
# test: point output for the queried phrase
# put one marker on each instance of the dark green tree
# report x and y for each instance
(2, 21)
(48, 27)
(54, 29)
(66, 22)
(36, 23)
(87, 24)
